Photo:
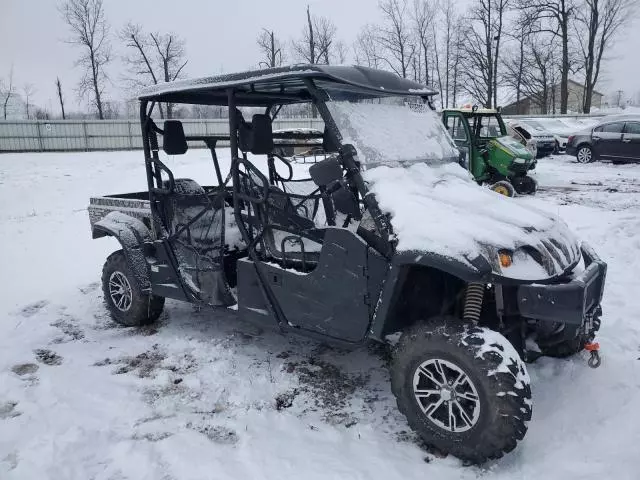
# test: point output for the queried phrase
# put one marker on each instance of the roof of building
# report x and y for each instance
(281, 85)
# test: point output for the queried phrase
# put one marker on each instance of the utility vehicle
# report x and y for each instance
(391, 235)
(490, 154)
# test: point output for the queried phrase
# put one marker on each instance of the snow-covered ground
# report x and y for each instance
(203, 396)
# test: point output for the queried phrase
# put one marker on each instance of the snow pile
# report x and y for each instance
(386, 134)
(442, 210)
(196, 396)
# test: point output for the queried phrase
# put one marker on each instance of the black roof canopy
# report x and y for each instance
(281, 85)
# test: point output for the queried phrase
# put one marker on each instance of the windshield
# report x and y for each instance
(391, 130)
(488, 126)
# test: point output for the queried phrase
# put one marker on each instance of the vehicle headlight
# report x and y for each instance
(519, 160)
(506, 258)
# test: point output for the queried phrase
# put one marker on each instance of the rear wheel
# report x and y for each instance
(124, 298)
(464, 390)
(525, 185)
(585, 154)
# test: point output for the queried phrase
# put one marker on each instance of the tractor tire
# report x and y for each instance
(525, 185)
(585, 154)
(504, 187)
(125, 300)
(463, 389)
(567, 348)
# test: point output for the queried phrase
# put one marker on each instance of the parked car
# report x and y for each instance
(545, 141)
(615, 139)
(560, 130)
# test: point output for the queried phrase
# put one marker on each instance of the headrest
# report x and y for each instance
(262, 141)
(174, 141)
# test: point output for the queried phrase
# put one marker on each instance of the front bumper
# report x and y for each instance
(546, 148)
(569, 302)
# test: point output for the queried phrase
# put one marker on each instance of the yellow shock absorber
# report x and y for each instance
(473, 302)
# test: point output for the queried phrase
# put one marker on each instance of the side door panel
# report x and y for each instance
(630, 149)
(332, 299)
(607, 140)
(458, 128)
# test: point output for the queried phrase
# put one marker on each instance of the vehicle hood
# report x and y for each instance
(441, 210)
(512, 147)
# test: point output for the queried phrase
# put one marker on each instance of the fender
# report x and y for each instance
(475, 270)
(132, 235)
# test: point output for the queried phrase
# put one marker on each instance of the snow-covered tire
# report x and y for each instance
(570, 347)
(504, 187)
(493, 370)
(584, 154)
(126, 302)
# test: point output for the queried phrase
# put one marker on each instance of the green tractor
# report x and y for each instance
(488, 152)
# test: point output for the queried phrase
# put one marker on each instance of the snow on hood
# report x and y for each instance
(442, 210)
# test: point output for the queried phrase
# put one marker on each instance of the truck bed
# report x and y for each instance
(134, 204)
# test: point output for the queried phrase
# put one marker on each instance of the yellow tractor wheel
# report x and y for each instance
(504, 188)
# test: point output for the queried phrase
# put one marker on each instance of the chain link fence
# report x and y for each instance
(90, 135)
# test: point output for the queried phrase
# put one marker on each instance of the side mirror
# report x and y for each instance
(325, 172)
(174, 141)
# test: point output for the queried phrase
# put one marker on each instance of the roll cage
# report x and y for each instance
(257, 205)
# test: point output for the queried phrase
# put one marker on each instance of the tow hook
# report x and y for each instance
(594, 360)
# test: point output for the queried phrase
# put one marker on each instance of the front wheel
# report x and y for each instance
(585, 154)
(125, 300)
(504, 187)
(463, 389)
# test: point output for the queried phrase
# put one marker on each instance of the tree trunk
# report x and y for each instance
(564, 70)
(96, 88)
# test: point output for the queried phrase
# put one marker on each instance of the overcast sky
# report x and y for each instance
(220, 37)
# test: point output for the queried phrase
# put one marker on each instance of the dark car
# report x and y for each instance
(614, 139)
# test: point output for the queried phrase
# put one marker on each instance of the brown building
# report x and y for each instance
(533, 105)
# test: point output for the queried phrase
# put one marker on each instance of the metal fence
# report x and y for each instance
(88, 135)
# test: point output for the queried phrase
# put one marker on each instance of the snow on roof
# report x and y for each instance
(364, 77)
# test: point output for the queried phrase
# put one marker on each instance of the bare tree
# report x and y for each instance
(60, 97)
(539, 72)
(515, 62)
(153, 58)
(423, 15)
(90, 31)
(171, 53)
(482, 49)
(366, 48)
(554, 16)
(317, 38)
(7, 90)
(597, 23)
(341, 52)
(28, 90)
(395, 37)
(271, 49)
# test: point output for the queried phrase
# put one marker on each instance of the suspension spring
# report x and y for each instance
(473, 302)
